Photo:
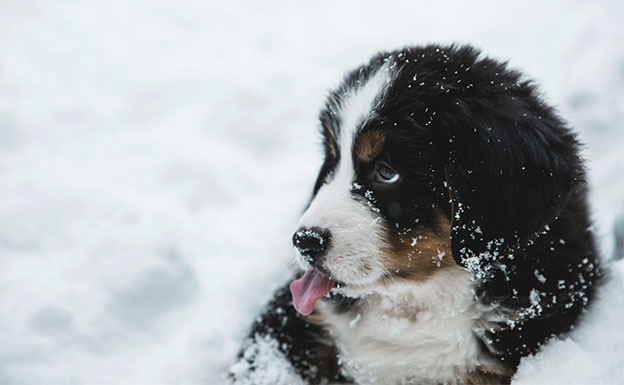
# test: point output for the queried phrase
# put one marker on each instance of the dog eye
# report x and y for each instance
(385, 174)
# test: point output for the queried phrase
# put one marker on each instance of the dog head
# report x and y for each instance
(434, 157)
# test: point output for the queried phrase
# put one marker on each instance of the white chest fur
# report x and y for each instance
(412, 333)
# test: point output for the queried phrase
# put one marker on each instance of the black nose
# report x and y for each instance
(311, 242)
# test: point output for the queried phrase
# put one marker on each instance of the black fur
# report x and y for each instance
(465, 127)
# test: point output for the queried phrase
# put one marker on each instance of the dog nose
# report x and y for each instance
(311, 242)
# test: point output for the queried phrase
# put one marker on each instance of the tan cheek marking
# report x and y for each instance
(420, 253)
(369, 144)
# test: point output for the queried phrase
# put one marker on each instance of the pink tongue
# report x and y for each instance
(307, 289)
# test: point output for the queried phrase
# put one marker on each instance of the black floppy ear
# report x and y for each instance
(510, 171)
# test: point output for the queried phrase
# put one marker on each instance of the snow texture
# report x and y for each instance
(155, 157)
(271, 367)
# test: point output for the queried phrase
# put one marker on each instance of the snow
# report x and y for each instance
(264, 353)
(155, 156)
(592, 354)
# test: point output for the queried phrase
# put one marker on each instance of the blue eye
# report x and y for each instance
(385, 174)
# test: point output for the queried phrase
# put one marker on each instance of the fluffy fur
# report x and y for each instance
(451, 204)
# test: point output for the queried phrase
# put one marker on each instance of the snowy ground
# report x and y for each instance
(154, 156)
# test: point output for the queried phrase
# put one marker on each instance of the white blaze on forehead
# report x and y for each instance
(356, 236)
(358, 106)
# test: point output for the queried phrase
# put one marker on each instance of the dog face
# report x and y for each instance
(432, 157)
(374, 205)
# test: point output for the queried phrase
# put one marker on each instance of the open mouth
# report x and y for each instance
(309, 288)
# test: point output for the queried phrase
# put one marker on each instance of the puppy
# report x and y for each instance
(447, 235)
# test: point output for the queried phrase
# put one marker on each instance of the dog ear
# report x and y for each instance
(510, 171)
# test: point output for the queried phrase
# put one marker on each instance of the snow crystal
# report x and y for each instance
(437, 259)
(311, 234)
(539, 276)
(371, 201)
(534, 297)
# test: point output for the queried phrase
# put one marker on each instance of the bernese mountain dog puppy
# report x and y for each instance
(447, 235)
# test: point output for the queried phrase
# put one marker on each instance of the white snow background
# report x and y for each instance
(155, 155)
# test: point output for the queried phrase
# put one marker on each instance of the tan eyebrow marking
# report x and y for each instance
(332, 147)
(369, 144)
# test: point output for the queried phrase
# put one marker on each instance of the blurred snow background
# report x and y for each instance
(154, 156)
